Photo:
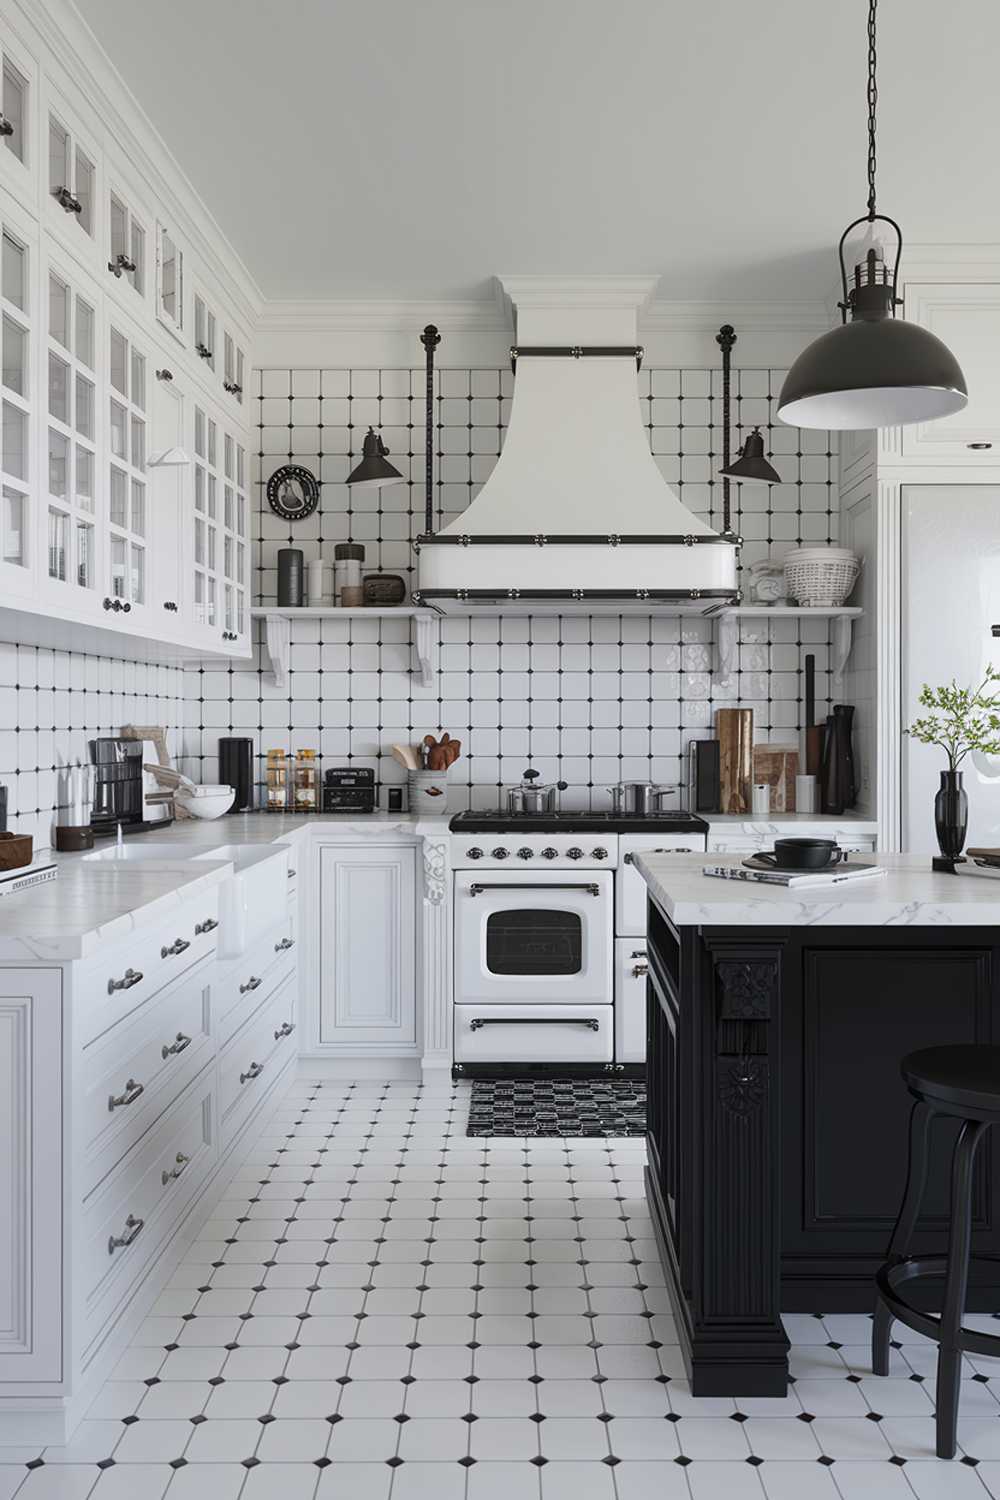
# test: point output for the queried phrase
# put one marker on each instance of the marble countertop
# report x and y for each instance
(92, 902)
(910, 894)
(779, 822)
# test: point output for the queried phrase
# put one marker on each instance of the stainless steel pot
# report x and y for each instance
(528, 798)
(638, 799)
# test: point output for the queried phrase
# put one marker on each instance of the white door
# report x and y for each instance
(543, 939)
(367, 948)
(951, 602)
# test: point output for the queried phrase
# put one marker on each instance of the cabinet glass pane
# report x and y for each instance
(119, 430)
(85, 191)
(138, 576)
(241, 460)
(138, 257)
(15, 441)
(239, 375)
(84, 555)
(170, 278)
(210, 601)
(119, 228)
(58, 388)
(14, 512)
(227, 555)
(210, 497)
(240, 574)
(59, 311)
(229, 369)
(119, 580)
(119, 497)
(15, 272)
(241, 617)
(211, 547)
(211, 450)
(199, 433)
(84, 407)
(229, 460)
(229, 510)
(118, 373)
(85, 333)
(58, 534)
(15, 94)
(84, 478)
(138, 508)
(59, 172)
(138, 443)
(199, 489)
(229, 609)
(199, 598)
(199, 541)
(15, 356)
(241, 514)
(58, 465)
(138, 380)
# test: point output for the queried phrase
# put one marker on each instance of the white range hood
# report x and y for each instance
(576, 516)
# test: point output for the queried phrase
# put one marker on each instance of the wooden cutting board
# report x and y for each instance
(734, 731)
(778, 765)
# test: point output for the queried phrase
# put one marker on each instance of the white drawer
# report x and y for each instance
(142, 1201)
(250, 1062)
(630, 1000)
(242, 983)
(113, 985)
(630, 888)
(552, 1033)
(136, 1070)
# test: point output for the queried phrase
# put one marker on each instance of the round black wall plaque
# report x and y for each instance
(292, 492)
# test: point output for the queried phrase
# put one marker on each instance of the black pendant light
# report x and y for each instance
(374, 471)
(752, 467)
(876, 370)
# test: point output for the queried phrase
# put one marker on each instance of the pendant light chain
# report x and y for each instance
(872, 103)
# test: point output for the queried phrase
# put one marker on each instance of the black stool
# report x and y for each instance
(963, 1083)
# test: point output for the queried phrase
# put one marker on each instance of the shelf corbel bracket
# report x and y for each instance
(727, 636)
(425, 641)
(278, 639)
(843, 635)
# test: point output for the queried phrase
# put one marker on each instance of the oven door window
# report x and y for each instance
(544, 943)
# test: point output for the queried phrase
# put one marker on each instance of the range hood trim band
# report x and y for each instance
(573, 540)
(575, 351)
(651, 596)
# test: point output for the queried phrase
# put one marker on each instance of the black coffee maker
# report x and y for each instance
(118, 787)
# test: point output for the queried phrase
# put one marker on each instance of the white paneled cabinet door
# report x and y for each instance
(967, 318)
(167, 482)
(367, 949)
(126, 564)
(18, 476)
(31, 1097)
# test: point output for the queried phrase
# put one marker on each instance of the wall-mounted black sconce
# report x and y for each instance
(751, 466)
(374, 471)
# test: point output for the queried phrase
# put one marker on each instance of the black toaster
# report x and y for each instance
(349, 789)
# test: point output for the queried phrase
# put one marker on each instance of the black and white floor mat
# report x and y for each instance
(558, 1107)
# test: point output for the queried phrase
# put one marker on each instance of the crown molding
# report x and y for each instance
(589, 292)
(64, 30)
(926, 262)
(746, 317)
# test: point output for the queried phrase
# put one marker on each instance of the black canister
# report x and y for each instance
(236, 770)
(291, 573)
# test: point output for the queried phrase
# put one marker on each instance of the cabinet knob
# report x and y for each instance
(119, 264)
(170, 605)
(232, 387)
(66, 200)
(284, 945)
(203, 351)
(6, 128)
(164, 374)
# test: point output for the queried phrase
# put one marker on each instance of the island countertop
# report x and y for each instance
(910, 894)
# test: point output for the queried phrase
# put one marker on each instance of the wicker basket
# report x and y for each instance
(821, 577)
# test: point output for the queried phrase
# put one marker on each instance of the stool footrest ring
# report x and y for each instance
(893, 1275)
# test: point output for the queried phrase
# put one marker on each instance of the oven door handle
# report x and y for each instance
(590, 1022)
(478, 887)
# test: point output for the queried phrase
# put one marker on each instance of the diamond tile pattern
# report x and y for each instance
(435, 1317)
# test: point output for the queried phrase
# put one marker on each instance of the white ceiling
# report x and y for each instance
(411, 148)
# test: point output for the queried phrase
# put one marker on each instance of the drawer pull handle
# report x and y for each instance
(478, 1022)
(254, 1071)
(209, 925)
(253, 983)
(292, 873)
(129, 1095)
(639, 969)
(133, 1229)
(128, 979)
(179, 945)
(180, 1044)
(285, 1029)
(175, 1172)
(284, 945)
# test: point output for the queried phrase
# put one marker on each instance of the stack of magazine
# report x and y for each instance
(831, 875)
(37, 873)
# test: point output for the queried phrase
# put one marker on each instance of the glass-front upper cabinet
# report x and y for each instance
(17, 478)
(18, 152)
(208, 551)
(235, 541)
(127, 242)
(72, 181)
(169, 281)
(234, 369)
(71, 425)
(128, 507)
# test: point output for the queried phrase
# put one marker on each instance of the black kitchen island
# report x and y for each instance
(777, 1120)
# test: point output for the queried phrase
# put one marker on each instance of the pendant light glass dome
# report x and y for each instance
(876, 370)
(752, 467)
(374, 471)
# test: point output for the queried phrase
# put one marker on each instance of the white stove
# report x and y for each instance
(523, 851)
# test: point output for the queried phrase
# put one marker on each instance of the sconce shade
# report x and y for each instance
(374, 470)
(752, 467)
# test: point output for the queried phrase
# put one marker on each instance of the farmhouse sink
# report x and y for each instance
(255, 897)
(136, 850)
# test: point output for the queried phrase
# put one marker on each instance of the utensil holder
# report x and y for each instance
(428, 791)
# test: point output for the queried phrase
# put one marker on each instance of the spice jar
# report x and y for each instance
(306, 782)
(348, 558)
(277, 781)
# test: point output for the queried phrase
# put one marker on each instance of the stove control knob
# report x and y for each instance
(598, 853)
(574, 853)
(525, 853)
(474, 853)
(550, 853)
(500, 853)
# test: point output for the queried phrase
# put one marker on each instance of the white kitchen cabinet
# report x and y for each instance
(966, 316)
(630, 999)
(367, 948)
(630, 888)
(18, 100)
(18, 402)
(72, 178)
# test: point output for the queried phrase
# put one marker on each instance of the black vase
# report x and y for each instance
(951, 814)
(838, 787)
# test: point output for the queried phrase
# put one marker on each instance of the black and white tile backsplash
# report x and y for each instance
(587, 700)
